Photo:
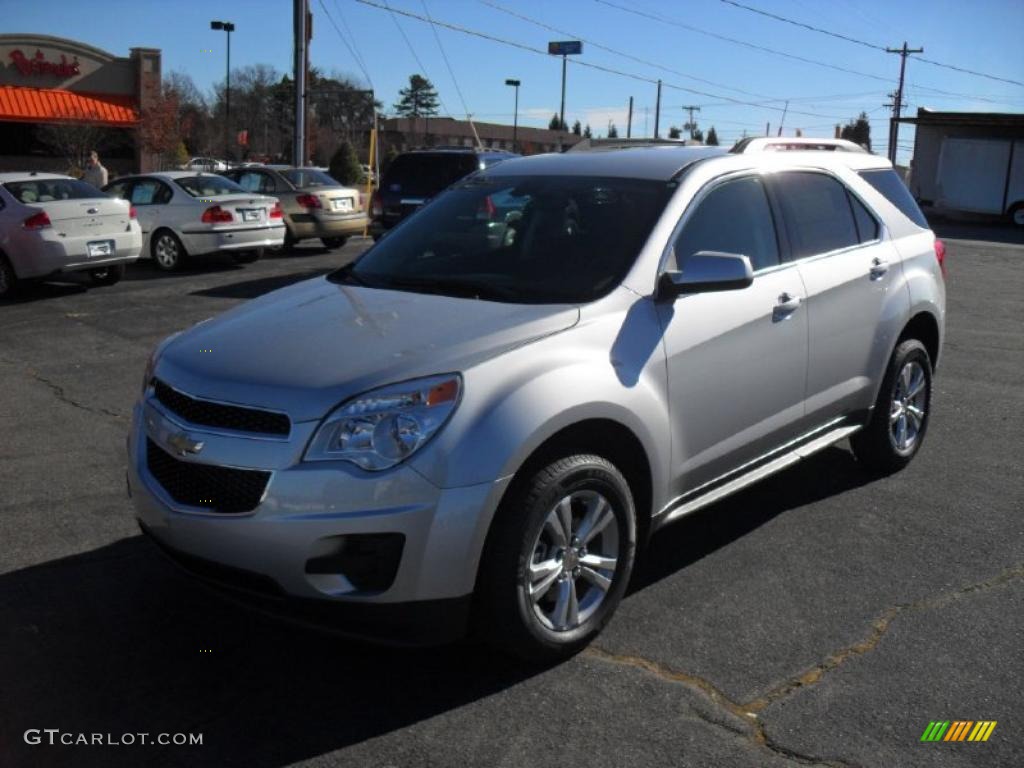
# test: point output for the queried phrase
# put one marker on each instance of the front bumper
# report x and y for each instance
(306, 509)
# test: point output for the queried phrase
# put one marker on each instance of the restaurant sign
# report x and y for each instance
(38, 64)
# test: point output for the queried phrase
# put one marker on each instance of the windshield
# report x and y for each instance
(47, 190)
(209, 185)
(528, 239)
(310, 177)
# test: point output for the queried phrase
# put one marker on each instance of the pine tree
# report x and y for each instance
(674, 133)
(577, 128)
(555, 124)
(858, 131)
(613, 132)
(712, 140)
(587, 133)
(418, 100)
(697, 134)
(344, 165)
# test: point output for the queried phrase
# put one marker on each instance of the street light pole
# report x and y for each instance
(228, 27)
(515, 115)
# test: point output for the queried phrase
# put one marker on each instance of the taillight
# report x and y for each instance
(132, 213)
(37, 221)
(376, 206)
(276, 212)
(940, 256)
(308, 201)
(216, 215)
(487, 209)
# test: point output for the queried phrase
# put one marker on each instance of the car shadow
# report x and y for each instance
(250, 289)
(684, 542)
(117, 640)
(34, 290)
(145, 269)
(990, 232)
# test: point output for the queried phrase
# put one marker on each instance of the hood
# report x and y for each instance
(305, 348)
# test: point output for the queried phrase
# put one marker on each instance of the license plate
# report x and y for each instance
(99, 248)
(341, 204)
(250, 215)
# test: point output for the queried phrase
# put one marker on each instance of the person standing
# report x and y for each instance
(95, 173)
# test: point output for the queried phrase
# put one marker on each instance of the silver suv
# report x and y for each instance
(477, 423)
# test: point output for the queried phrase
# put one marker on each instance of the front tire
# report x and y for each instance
(167, 251)
(899, 421)
(107, 275)
(558, 559)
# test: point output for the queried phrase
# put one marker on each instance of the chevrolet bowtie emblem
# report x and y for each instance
(183, 444)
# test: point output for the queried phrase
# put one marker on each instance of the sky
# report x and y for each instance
(682, 44)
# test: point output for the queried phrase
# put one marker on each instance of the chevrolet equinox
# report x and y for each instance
(475, 425)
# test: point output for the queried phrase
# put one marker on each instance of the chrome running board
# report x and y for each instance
(756, 470)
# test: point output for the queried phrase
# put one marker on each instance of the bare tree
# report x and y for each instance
(74, 141)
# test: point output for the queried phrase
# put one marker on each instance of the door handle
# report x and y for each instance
(787, 304)
(879, 267)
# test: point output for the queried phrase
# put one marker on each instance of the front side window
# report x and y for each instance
(817, 213)
(208, 185)
(734, 217)
(524, 239)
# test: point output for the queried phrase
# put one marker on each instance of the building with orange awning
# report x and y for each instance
(58, 96)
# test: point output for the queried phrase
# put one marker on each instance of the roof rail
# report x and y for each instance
(794, 143)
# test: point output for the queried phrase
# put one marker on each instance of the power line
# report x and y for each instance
(412, 50)
(629, 56)
(854, 40)
(580, 63)
(355, 56)
(359, 55)
(451, 71)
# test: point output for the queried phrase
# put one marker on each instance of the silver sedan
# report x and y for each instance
(52, 224)
(186, 214)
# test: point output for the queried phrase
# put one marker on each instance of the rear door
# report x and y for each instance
(150, 198)
(736, 359)
(848, 269)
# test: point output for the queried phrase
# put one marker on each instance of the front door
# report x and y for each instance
(737, 360)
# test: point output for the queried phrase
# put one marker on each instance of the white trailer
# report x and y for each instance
(982, 176)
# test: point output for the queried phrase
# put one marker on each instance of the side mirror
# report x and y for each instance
(706, 271)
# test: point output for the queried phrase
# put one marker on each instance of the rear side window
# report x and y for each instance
(818, 215)
(48, 190)
(867, 225)
(427, 174)
(734, 217)
(895, 191)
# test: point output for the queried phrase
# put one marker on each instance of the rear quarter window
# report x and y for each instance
(891, 186)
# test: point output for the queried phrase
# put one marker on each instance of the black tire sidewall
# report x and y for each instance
(521, 631)
(180, 250)
(906, 352)
(12, 279)
(108, 275)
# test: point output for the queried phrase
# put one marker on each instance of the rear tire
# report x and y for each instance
(8, 280)
(334, 242)
(248, 257)
(557, 560)
(899, 421)
(167, 251)
(1017, 215)
(289, 240)
(107, 275)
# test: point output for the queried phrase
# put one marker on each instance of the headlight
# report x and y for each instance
(385, 426)
(154, 356)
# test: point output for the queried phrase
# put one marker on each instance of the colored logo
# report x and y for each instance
(958, 730)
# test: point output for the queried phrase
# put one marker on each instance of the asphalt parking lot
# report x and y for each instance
(820, 618)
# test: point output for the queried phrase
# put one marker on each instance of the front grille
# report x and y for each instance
(218, 489)
(219, 415)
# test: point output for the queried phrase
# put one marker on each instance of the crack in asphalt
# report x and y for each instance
(58, 392)
(749, 712)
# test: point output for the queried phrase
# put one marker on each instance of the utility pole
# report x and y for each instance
(564, 48)
(299, 73)
(515, 115)
(629, 120)
(691, 126)
(657, 111)
(785, 109)
(897, 98)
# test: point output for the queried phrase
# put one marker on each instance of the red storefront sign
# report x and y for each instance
(38, 65)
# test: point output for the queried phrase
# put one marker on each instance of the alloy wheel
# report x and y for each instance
(166, 251)
(573, 560)
(907, 409)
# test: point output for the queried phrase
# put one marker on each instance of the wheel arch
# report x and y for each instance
(925, 328)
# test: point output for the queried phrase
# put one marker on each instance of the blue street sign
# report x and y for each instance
(565, 48)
